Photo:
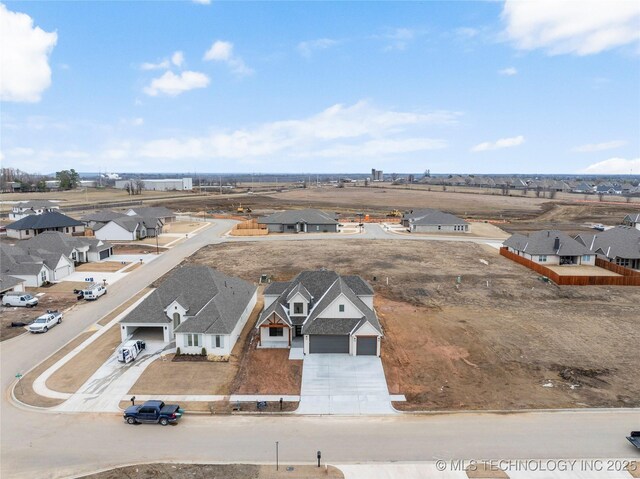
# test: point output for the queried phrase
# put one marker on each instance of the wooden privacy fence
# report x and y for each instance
(628, 278)
(249, 228)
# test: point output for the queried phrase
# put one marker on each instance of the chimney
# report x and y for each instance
(556, 244)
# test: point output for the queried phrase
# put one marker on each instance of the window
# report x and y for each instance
(586, 257)
(218, 341)
(317, 228)
(298, 308)
(73, 229)
(176, 320)
(193, 340)
(341, 308)
(542, 258)
(276, 332)
(43, 275)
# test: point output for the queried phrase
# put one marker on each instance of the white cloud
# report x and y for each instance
(163, 65)
(578, 27)
(509, 71)
(608, 145)
(172, 84)
(222, 51)
(614, 166)
(20, 151)
(340, 131)
(177, 59)
(399, 38)
(308, 47)
(202, 2)
(499, 144)
(24, 57)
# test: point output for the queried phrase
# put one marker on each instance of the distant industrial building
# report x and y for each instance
(180, 184)
(376, 175)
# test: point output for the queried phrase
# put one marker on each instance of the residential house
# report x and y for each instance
(199, 307)
(160, 212)
(632, 220)
(300, 221)
(619, 245)
(10, 283)
(79, 249)
(34, 267)
(322, 312)
(99, 218)
(33, 225)
(128, 228)
(550, 247)
(433, 221)
(583, 188)
(32, 207)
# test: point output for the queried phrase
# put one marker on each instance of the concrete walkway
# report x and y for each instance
(340, 384)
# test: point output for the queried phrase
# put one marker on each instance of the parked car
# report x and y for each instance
(634, 438)
(598, 227)
(19, 299)
(48, 320)
(94, 291)
(156, 412)
(129, 350)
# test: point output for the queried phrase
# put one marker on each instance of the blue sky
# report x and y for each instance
(459, 87)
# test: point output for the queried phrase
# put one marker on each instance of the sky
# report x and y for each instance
(526, 87)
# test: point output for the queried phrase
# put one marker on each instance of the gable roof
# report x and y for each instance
(102, 216)
(131, 223)
(618, 242)
(544, 242)
(309, 216)
(37, 204)
(7, 282)
(214, 301)
(153, 211)
(430, 216)
(632, 218)
(51, 219)
(15, 261)
(57, 242)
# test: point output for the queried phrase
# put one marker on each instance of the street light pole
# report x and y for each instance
(157, 247)
(277, 461)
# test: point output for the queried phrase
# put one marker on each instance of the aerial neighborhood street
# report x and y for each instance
(306, 240)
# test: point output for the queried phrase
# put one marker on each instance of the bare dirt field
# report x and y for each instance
(139, 248)
(514, 342)
(581, 270)
(54, 298)
(107, 266)
(182, 226)
(221, 471)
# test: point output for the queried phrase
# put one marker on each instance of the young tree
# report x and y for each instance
(69, 179)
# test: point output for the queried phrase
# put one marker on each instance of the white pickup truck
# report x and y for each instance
(48, 320)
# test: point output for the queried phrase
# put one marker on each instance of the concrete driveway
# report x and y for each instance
(343, 385)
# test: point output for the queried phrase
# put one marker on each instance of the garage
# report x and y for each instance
(328, 344)
(367, 346)
(104, 254)
(146, 332)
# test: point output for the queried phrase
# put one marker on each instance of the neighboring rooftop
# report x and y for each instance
(618, 242)
(7, 282)
(432, 217)
(547, 242)
(309, 216)
(51, 219)
(153, 211)
(102, 216)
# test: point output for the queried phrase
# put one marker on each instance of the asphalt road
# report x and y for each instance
(41, 444)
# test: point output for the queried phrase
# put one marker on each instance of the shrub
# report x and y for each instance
(204, 351)
(178, 352)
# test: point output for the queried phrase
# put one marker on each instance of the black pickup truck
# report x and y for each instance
(156, 412)
(634, 438)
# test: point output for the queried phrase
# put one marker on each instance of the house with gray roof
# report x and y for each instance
(35, 267)
(619, 245)
(433, 221)
(100, 218)
(300, 221)
(198, 307)
(10, 283)
(32, 207)
(632, 220)
(80, 249)
(550, 247)
(320, 312)
(128, 228)
(33, 225)
(160, 212)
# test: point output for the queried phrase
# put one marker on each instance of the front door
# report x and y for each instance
(297, 331)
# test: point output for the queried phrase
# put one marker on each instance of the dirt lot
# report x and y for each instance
(473, 346)
(139, 248)
(107, 266)
(182, 226)
(56, 297)
(217, 471)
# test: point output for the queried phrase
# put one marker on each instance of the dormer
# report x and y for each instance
(176, 312)
(299, 301)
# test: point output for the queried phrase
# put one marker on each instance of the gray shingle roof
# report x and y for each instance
(153, 211)
(432, 217)
(214, 301)
(277, 287)
(299, 289)
(15, 261)
(309, 216)
(102, 216)
(632, 218)
(7, 282)
(37, 204)
(618, 242)
(56, 242)
(130, 223)
(51, 219)
(544, 242)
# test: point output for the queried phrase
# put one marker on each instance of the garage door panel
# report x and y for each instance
(367, 346)
(328, 344)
